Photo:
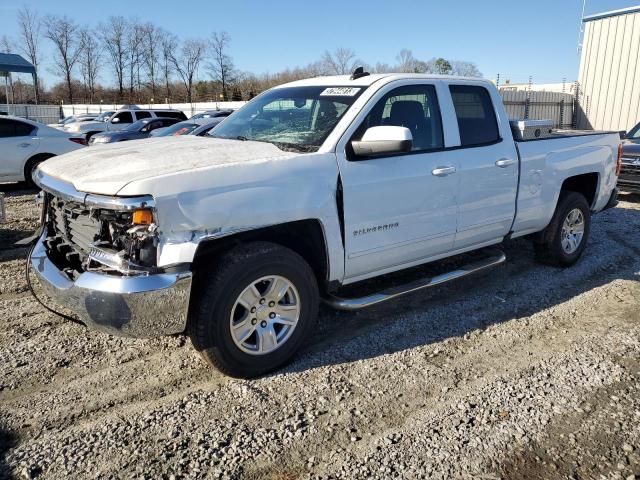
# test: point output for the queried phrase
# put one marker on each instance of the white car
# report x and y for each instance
(24, 144)
(308, 189)
(121, 120)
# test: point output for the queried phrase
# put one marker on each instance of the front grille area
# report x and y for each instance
(72, 230)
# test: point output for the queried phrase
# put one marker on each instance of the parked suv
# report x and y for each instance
(122, 119)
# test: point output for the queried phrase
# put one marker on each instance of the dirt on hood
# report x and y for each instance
(106, 169)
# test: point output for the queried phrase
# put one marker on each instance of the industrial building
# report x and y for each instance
(609, 78)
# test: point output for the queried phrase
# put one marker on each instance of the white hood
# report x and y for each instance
(106, 169)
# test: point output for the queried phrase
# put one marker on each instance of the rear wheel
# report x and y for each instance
(30, 168)
(254, 310)
(565, 238)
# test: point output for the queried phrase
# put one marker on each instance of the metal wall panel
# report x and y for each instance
(609, 75)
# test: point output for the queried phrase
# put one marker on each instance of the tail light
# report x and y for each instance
(78, 140)
(619, 161)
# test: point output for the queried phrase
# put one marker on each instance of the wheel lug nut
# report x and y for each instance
(253, 309)
(272, 304)
(262, 300)
(272, 315)
(254, 321)
(263, 324)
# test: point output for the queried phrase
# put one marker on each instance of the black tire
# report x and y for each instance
(30, 167)
(216, 291)
(548, 246)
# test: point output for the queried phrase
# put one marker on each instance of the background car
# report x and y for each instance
(212, 114)
(135, 131)
(25, 143)
(629, 179)
(86, 117)
(199, 126)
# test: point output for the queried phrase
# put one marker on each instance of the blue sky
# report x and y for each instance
(513, 38)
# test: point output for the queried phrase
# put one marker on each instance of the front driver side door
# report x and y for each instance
(397, 211)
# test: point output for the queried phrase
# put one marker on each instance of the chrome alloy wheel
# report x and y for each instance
(265, 315)
(572, 231)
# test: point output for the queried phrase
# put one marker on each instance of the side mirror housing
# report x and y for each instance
(623, 134)
(384, 140)
(115, 120)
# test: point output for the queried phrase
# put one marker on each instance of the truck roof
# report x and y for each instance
(345, 80)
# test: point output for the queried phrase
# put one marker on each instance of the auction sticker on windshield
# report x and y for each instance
(340, 92)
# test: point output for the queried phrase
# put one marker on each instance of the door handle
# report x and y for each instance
(504, 162)
(443, 171)
(24, 145)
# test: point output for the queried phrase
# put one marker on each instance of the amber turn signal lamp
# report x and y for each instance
(142, 217)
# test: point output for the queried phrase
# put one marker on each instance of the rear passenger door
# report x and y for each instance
(397, 211)
(488, 168)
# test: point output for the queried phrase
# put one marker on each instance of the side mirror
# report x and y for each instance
(383, 140)
(115, 120)
(623, 134)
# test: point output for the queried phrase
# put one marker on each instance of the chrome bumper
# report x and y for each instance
(134, 306)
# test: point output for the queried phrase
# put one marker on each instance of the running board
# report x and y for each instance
(350, 304)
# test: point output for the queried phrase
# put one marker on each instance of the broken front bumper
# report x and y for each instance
(132, 306)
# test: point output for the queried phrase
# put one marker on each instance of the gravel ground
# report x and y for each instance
(524, 371)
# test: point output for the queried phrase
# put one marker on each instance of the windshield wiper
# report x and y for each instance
(242, 137)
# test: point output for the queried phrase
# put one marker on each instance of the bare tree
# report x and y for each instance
(464, 69)
(168, 42)
(188, 61)
(151, 46)
(63, 33)
(407, 63)
(89, 61)
(114, 37)
(341, 62)
(29, 23)
(221, 65)
(134, 56)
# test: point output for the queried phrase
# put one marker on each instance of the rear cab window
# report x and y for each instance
(476, 116)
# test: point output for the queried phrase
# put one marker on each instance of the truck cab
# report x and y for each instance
(311, 187)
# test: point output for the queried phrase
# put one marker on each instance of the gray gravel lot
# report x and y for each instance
(524, 371)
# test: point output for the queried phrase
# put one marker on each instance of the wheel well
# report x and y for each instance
(305, 237)
(39, 157)
(586, 184)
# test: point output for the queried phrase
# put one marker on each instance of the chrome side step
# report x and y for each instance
(350, 304)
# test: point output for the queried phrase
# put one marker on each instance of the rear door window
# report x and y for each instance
(141, 115)
(13, 128)
(476, 116)
(179, 115)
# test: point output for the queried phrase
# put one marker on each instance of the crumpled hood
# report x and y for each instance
(106, 169)
(631, 148)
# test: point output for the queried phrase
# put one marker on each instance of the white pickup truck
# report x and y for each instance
(311, 187)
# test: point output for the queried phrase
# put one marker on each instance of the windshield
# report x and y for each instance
(137, 126)
(291, 118)
(181, 128)
(634, 133)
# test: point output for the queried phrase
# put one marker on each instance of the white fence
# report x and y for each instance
(189, 109)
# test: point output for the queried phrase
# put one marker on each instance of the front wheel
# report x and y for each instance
(565, 238)
(254, 310)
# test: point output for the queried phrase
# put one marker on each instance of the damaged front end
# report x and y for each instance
(97, 257)
(105, 237)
